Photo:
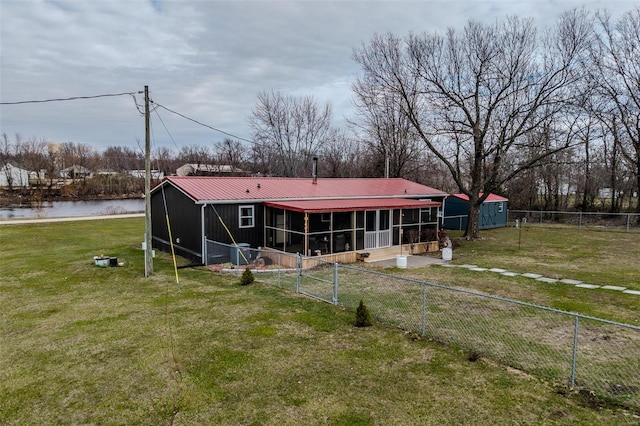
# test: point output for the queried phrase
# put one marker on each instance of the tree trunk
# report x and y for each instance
(473, 228)
(638, 187)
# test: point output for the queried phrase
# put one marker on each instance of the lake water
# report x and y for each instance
(73, 208)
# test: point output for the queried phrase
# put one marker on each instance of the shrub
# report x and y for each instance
(247, 277)
(363, 317)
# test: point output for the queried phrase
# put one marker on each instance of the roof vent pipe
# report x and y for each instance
(314, 170)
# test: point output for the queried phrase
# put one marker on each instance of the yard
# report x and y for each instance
(89, 345)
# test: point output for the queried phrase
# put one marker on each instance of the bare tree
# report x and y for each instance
(195, 154)
(122, 159)
(6, 156)
(474, 97)
(340, 156)
(386, 131)
(163, 160)
(290, 130)
(230, 152)
(617, 72)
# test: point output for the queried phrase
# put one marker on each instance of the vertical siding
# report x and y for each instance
(488, 215)
(184, 218)
(214, 230)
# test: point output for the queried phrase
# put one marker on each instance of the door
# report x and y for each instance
(377, 229)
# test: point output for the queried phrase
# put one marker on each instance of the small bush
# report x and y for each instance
(363, 317)
(247, 277)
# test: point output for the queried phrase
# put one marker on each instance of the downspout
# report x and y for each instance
(443, 217)
(203, 236)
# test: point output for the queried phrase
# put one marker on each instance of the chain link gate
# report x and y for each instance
(317, 279)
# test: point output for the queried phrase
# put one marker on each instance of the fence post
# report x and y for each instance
(335, 283)
(279, 270)
(580, 221)
(423, 329)
(628, 217)
(575, 351)
(298, 272)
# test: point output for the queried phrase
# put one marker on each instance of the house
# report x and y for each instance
(13, 176)
(193, 169)
(76, 172)
(314, 217)
(492, 214)
(154, 174)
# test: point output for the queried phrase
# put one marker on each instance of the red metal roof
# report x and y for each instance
(324, 206)
(490, 197)
(232, 189)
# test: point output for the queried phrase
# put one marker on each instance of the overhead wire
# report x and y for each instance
(203, 124)
(166, 129)
(73, 98)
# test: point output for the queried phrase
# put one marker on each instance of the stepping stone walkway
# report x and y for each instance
(540, 278)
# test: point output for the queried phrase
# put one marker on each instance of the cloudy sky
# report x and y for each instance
(205, 59)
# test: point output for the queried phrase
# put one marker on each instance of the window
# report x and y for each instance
(246, 217)
(500, 207)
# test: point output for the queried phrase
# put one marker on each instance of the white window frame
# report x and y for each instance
(251, 217)
(500, 207)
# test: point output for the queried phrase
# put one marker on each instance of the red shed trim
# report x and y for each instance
(490, 198)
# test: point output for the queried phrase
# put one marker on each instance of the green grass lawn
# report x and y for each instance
(594, 257)
(81, 344)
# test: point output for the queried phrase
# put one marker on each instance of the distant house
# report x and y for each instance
(155, 174)
(11, 175)
(492, 214)
(314, 217)
(76, 172)
(209, 170)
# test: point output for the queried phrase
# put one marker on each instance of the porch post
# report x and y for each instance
(399, 231)
(306, 234)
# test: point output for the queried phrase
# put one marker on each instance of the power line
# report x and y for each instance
(165, 127)
(74, 98)
(202, 124)
(132, 94)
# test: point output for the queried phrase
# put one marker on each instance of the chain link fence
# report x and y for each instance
(593, 354)
(626, 222)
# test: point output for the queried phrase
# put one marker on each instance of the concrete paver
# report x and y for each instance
(587, 286)
(531, 275)
(613, 287)
(568, 281)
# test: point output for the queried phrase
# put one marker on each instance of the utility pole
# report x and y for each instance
(148, 252)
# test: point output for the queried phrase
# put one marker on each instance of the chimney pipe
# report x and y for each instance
(314, 171)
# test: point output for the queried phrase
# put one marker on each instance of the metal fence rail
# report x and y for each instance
(578, 350)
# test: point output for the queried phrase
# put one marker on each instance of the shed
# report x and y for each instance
(295, 215)
(492, 214)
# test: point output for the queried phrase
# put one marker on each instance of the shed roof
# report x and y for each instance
(490, 198)
(259, 189)
(325, 206)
